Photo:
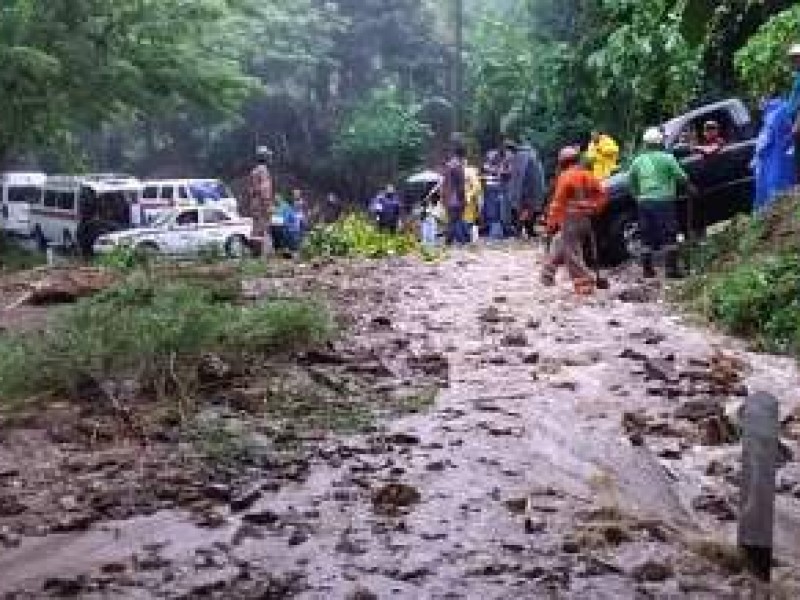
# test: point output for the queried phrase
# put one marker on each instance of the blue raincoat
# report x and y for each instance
(774, 160)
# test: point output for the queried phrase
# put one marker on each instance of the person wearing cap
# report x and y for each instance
(262, 195)
(579, 195)
(602, 154)
(794, 103)
(654, 179)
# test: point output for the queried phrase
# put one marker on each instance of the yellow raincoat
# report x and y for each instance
(474, 195)
(603, 156)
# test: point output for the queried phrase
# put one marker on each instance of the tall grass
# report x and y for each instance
(154, 332)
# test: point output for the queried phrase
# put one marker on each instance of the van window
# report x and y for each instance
(182, 193)
(150, 193)
(50, 198)
(189, 217)
(215, 217)
(167, 192)
(66, 200)
(23, 195)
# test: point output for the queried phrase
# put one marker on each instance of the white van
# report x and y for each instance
(73, 211)
(158, 196)
(17, 192)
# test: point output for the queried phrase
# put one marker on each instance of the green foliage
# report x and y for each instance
(762, 64)
(357, 236)
(154, 332)
(123, 259)
(749, 280)
(68, 64)
(16, 258)
(380, 136)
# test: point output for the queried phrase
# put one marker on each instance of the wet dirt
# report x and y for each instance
(553, 463)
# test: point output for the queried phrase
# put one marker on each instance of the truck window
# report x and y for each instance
(183, 194)
(215, 217)
(50, 198)
(150, 193)
(167, 192)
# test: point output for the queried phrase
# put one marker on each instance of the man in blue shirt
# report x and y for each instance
(794, 102)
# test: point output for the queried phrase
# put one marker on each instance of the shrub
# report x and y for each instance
(153, 332)
(357, 236)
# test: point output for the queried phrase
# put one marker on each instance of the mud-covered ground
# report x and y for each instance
(575, 449)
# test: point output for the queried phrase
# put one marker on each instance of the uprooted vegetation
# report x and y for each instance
(749, 278)
(155, 332)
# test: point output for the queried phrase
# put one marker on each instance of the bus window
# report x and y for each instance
(50, 198)
(66, 201)
(167, 192)
(150, 193)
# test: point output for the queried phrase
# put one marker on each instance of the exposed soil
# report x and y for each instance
(575, 449)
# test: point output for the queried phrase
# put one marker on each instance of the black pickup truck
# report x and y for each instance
(724, 179)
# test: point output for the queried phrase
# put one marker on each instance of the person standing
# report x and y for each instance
(794, 105)
(454, 193)
(262, 195)
(526, 189)
(474, 197)
(654, 178)
(602, 154)
(773, 162)
(578, 196)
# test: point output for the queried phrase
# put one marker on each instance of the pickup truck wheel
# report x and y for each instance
(68, 243)
(237, 247)
(626, 237)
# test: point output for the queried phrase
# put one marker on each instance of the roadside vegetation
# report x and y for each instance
(748, 279)
(155, 329)
(15, 258)
(355, 236)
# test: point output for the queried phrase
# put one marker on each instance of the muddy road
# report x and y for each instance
(580, 449)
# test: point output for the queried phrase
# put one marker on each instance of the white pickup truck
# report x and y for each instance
(186, 232)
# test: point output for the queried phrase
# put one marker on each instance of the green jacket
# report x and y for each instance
(655, 175)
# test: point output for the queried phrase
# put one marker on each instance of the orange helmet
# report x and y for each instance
(568, 156)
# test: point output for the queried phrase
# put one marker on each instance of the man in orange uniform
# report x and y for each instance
(579, 195)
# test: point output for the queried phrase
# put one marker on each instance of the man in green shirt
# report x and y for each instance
(654, 177)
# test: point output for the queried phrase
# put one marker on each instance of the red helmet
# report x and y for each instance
(568, 156)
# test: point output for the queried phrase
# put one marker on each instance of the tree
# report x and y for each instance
(68, 64)
(378, 138)
(762, 64)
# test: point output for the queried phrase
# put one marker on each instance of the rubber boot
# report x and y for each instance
(672, 265)
(648, 270)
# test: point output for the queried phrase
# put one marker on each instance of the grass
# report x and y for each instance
(748, 279)
(154, 331)
(16, 258)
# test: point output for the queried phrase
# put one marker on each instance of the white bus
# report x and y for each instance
(159, 196)
(17, 192)
(73, 211)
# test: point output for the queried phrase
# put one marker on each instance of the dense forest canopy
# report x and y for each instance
(350, 93)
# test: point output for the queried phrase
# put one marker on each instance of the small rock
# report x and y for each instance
(213, 369)
(298, 538)
(382, 322)
(716, 505)
(531, 359)
(652, 571)
(246, 499)
(403, 439)
(697, 410)
(262, 517)
(66, 587)
(219, 492)
(516, 339)
(660, 370)
(8, 539)
(392, 497)
(68, 503)
(74, 522)
(630, 354)
(362, 593)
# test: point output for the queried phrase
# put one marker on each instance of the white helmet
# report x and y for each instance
(653, 137)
